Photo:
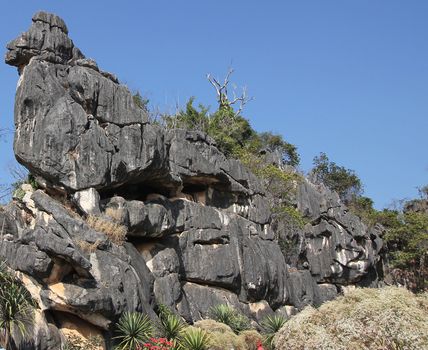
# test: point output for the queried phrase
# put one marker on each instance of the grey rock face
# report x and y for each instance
(77, 128)
(47, 38)
(338, 247)
(88, 201)
(198, 225)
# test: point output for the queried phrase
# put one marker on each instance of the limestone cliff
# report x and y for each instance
(197, 224)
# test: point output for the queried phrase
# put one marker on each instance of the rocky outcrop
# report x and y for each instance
(198, 225)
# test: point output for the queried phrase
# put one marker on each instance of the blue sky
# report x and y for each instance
(349, 78)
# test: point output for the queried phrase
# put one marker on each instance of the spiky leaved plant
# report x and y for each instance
(170, 326)
(16, 306)
(229, 316)
(271, 325)
(133, 329)
(194, 339)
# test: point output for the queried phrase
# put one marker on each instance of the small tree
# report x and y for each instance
(344, 181)
(276, 143)
(140, 101)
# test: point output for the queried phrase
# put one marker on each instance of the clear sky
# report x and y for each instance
(349, 78)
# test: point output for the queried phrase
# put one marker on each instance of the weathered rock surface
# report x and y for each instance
(198, 224)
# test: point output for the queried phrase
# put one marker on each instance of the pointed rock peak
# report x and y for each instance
(47, 39)
(51, 19)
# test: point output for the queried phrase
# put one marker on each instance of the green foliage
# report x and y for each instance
(281, 183)
(291, 215)
(170, 326)
(18, 192)
(271, 325)
(189, 118)
(229, 316)
(194, 339)
(275, 142)
(133, 329)
(344, 181)
(230, 131)
(164, 311)
(16, 305)
(140, 102)
(407, 236)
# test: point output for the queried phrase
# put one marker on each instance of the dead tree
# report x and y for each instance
(223, 95)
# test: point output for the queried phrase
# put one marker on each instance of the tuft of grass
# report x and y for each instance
(87, 247)
(387, 318)
(116, 233)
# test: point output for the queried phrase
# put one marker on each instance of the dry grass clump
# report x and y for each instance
(76, 342)
(87, 247)
(116, 214)
(250, 338)
(115, 232)
(222, 337)
(364, 319)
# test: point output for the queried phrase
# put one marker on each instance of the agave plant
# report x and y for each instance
(222, 313)
(227, 315)
(16, 306)
(271, 325)
(193, 339)
(133, 330)
(164, 311)
(170, 326)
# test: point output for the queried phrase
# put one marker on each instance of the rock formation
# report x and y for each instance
(197, 224)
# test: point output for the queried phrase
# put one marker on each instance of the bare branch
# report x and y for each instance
(222, 92)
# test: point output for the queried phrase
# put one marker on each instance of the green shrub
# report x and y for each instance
(133, 329)
(388, 318)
